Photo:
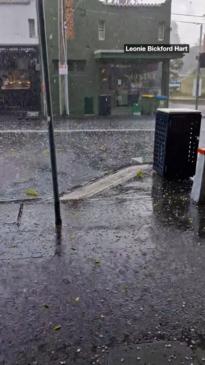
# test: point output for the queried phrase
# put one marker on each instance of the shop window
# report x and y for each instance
(15, 71)
(101, 30)
(22, 63)
(161, 32)
(32, 28)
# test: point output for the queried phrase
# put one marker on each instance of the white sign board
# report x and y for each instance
(175, 83)
(194, 88)
(63, 69)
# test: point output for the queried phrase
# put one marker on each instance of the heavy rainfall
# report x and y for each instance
(102, 158)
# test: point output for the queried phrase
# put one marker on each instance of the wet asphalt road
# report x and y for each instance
(86, 150)
(127, 270)
(12, 122)
(20, 121)
(82, 156)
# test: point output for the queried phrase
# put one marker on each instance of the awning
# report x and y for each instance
(119, 54)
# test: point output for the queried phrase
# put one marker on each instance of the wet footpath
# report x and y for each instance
(123, 282)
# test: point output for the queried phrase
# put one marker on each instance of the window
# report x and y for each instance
(76, 65)
(32, 29)
(161, 32)
(101, 30)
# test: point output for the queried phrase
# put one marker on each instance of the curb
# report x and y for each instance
(104, 183)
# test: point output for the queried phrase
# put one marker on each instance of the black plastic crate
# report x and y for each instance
(176, 142)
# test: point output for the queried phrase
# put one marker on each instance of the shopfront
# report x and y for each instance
(20, 79)
(124, 79)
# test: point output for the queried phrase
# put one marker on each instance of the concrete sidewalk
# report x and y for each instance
(123, 283)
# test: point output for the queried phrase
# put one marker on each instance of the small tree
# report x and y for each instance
(175, 68)
(177, 64)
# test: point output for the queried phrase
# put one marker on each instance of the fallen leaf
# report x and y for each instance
(57, 327)
(12, 152)
(140, 174)
(103, 148)
(97, 262)
(45, 152)
(32, 192)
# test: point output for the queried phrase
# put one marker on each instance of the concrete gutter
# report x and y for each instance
(105, 183)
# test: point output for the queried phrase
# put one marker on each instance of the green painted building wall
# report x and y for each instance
(122, 25)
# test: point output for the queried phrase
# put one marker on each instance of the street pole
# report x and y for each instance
(63, 78)
(67, 106)
(45, 65)
(198, 69)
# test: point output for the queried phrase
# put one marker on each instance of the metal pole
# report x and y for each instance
(63, 79)
(198, 69)
(44, 52)
(59, 59)
(65, 59)
(67, 106)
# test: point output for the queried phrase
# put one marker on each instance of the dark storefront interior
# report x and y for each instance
(19, 79)
(125, 82)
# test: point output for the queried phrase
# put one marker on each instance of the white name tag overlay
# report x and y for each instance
(156, 48)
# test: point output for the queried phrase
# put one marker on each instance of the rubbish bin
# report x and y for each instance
(148, 104)
(104, 105)
(136, 109)
(176, 142)
(161, 101)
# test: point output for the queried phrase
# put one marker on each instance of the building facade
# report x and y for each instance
(19, 56)
(89, 71)
(101, 77)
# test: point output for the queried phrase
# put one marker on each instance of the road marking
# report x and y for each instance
(105, 183)
(61, 131)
